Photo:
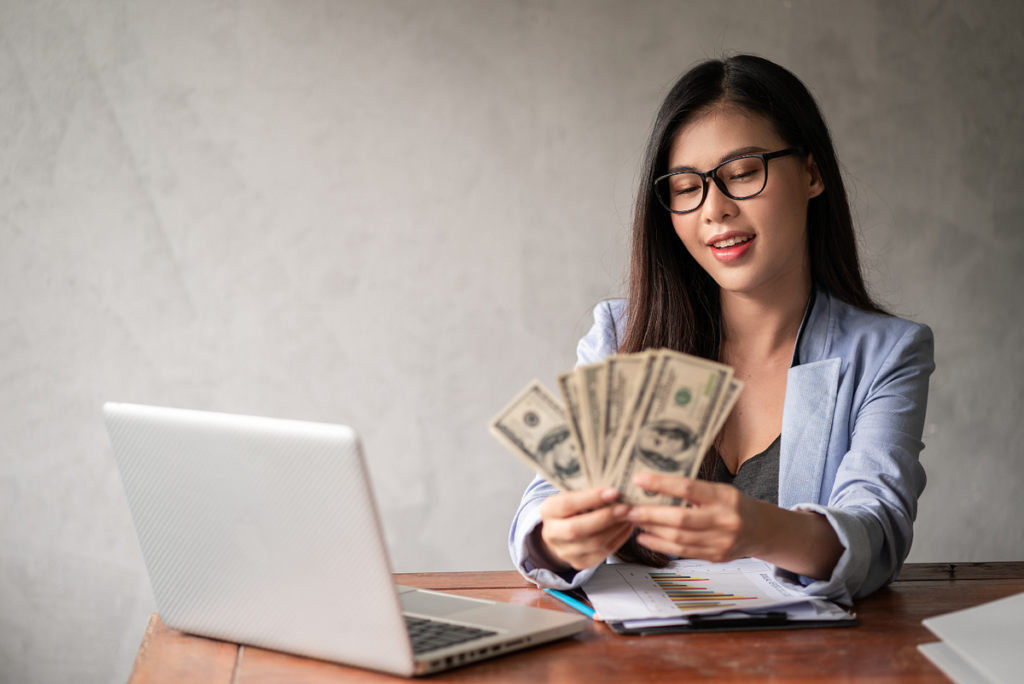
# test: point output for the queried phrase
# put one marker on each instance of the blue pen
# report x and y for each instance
(572, 603)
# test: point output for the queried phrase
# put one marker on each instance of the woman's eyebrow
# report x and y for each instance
(726, 157)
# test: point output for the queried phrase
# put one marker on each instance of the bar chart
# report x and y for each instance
(687, 592)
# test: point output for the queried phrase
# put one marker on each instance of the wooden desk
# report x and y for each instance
(882, 648)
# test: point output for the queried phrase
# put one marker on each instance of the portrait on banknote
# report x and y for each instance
(666, 446)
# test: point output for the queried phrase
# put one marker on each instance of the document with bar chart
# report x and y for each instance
(623, 591)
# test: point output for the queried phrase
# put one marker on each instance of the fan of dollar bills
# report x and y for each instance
(656, 411)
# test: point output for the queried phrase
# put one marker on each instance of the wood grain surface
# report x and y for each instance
(882, 648)
(167, 655)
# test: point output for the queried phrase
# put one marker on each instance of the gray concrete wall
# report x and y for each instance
(393, 214)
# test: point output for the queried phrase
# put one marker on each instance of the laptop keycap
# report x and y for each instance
(428, 635)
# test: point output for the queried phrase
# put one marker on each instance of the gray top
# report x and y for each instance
(757, 477)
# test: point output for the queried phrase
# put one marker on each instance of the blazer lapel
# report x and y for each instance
(811, 391)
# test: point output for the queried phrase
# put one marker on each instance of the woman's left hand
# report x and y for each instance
(721, 524)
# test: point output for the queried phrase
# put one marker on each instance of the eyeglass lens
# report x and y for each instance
(742, 178)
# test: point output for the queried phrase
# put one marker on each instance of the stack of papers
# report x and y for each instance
(641, 597)
(980, 645)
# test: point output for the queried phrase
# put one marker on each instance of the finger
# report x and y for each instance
(588, 524)
(703, 492)
(655, 543)
(572, 503)
(606, 543)
(673, 485)
(596, 549)
(706, 545)
(699, 492)
(681, 537)
(616, 543)
(701, 549)
(674, 516)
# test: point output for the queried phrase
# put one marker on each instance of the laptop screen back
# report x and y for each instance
(261, 531)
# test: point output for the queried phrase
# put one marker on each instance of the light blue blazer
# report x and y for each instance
(851, 435)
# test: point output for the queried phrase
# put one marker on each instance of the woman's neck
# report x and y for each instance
(763, 324)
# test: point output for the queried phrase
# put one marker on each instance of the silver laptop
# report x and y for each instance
(264, 532)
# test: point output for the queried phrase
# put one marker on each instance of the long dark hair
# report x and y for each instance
(672, 301)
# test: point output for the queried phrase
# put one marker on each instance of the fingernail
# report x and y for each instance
(610, 494)
(620, 510)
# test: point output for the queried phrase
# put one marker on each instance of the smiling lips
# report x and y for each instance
(731, 247)
(722, 244)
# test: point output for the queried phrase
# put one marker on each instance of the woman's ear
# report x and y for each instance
(817, 186)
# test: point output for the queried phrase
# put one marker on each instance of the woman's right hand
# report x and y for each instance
(581, 529)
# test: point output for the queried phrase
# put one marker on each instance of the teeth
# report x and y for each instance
(732, 241)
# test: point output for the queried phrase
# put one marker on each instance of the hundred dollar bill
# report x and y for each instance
(624, 378)
(592, 387)
(533, 426)
(672, 423)
(569, 387)
(732, 392)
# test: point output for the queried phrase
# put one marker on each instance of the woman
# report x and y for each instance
(744, 252)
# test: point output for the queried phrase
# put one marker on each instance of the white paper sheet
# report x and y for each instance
(986, 638)
(952, 665)
(623, 591)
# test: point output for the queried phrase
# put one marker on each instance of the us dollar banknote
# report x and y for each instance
(673, 423)
(592, 383)
(728, 401)
(657, 411)
(569, 387)
(628, 374)
(534, 427)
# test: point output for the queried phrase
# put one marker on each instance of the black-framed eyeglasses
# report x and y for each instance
(741, 178)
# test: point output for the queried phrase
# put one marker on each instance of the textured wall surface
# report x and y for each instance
(393, 214)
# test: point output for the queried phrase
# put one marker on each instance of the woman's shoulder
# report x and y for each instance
(606, 334)
(871, 334)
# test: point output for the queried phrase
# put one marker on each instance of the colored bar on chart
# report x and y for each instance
(687, 596)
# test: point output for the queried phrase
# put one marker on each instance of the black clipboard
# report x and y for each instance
(711, 623)
(727, 623)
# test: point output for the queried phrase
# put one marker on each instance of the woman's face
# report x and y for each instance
(756, 245)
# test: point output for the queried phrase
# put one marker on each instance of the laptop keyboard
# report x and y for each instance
(428, 635)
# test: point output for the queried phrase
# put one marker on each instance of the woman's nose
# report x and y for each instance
(717, 206)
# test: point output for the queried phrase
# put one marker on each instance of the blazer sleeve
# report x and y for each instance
(601, 341)
(873, 501)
